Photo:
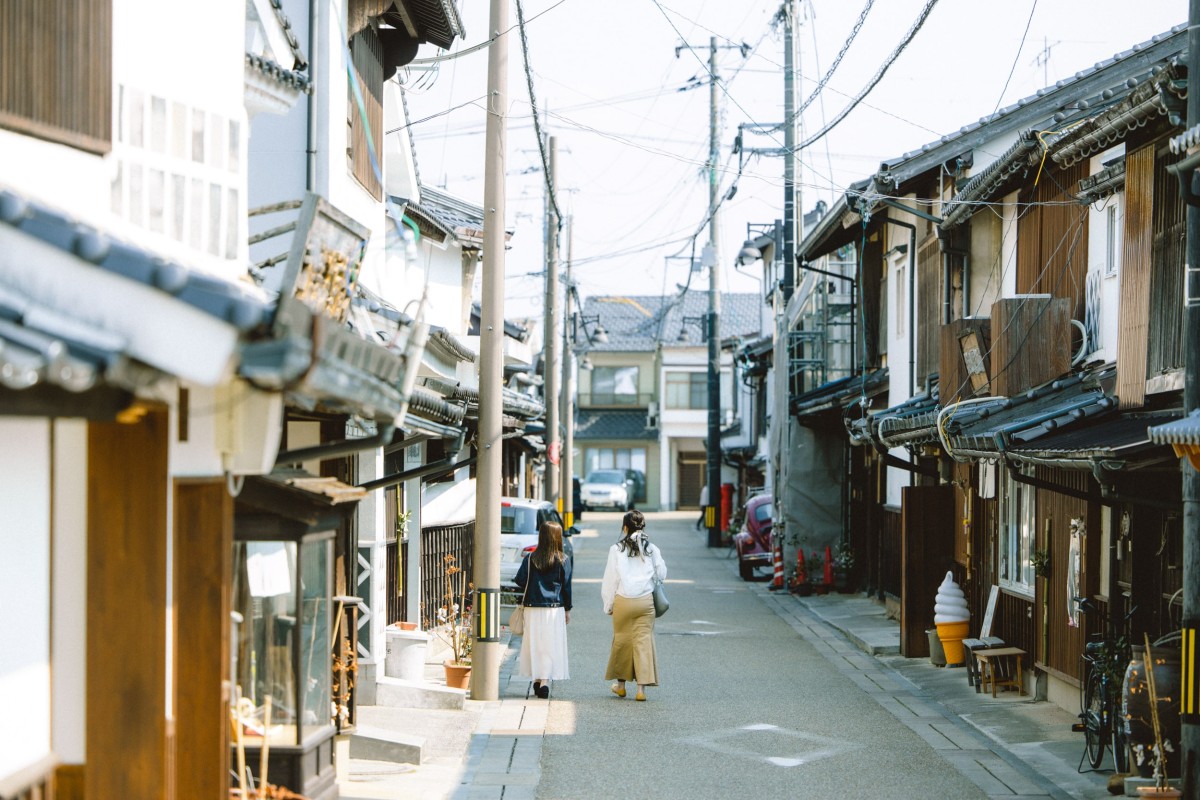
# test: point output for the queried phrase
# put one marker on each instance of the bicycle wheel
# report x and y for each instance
(1120, 739)
(1095, 731)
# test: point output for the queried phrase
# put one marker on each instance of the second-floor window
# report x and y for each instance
(686, 390)
(615, 385)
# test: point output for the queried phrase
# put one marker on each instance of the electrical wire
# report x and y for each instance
(1016, 58)
(537, 126)
(875, 80)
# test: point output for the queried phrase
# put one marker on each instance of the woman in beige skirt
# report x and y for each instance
(628, 594)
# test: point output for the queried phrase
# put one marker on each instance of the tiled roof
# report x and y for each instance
(612, 425)
(288, 77)
(300, 61)
(639, 323)
(1183, 431)
(835, 395)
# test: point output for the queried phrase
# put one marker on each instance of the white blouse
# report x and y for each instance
(631, 576)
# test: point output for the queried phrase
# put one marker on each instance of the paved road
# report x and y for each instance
(749, 705)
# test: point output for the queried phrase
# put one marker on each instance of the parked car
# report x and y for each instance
(520, 519)
(754, 542)
(639, 484)
(607, 488)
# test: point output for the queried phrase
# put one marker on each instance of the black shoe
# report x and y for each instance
(543, 691)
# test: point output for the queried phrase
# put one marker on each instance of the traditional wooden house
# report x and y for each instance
(1017, 264)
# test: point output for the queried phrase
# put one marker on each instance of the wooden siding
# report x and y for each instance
(1030, 343)
(126, 734)
(874, 304)
(1014, 621)
(1052, 238)
(1059, 646)
(1165, 334)
(367, 53)
(203, 588)
(1135, 278)
(926, 553)
(56, 71)
(929, 300)
(954, 381)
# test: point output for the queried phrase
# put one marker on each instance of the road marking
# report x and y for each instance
(770, 744)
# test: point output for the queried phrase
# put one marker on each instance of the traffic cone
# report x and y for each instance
(828, 567)
(777, 580)
(801, 572)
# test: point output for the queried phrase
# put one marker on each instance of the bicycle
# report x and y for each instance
(1104, 663)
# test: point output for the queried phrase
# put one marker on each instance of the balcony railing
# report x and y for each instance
(614, 400)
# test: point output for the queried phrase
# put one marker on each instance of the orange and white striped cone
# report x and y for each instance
(777, 581)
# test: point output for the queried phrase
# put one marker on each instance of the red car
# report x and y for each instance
(753, 542)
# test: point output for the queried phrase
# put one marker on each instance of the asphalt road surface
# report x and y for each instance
(747, 707)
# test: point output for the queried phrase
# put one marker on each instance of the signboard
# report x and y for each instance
(554, 452)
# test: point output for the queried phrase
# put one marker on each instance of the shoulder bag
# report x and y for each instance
(516, 620)
(661, 603)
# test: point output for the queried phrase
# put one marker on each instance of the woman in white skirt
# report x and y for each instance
(628, 594)
(545, 580)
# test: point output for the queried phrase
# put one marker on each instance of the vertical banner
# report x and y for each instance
(1190, 680)
(487, 615)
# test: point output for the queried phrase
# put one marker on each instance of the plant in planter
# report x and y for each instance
(843, 565)
(1040, 561)
(453, 624)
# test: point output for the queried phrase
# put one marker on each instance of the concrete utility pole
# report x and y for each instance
(550, 352)
(1190, 732)
(713, 457)
(568, 395)
(486, 655)
(712, 324)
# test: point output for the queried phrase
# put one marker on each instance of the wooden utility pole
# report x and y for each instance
(568, 394)
(486, 655)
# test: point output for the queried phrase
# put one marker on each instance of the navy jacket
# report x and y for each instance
(548, 589)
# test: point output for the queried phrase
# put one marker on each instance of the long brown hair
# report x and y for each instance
(549, 552)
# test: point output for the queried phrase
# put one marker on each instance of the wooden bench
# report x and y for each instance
(969, 648)
(1001, 667)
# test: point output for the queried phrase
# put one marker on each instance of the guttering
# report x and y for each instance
(426, 472)
(346, 447)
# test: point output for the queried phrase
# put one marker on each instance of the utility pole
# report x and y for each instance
(486, 654)
(781, 421)
(550, 372)
(712, 327)
(568, 394)
(1190, 731)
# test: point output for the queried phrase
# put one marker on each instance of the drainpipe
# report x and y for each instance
(310, 150)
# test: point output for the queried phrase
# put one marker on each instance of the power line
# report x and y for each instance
(875, 80)
(1013, 69)
(537, 125)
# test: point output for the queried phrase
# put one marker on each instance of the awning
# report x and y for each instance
(1015, 421)
(1114, 442)
(836, 395)
(1182, 434)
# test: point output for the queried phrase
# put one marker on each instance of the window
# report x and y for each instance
(1019, 520)
(1112, 261)
(56, 71)
(687, 390)
(615, 385)
(367, 54)
(595, 458)
(900, 304)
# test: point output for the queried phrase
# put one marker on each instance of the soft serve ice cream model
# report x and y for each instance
(952, 618)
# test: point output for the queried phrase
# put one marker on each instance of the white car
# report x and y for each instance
(520, 519)
(607, 488)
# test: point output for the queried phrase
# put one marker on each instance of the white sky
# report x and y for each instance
(632, 148)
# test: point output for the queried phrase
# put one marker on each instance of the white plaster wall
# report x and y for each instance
(1009, 213)
(25, 592)
(898, 322)
(69, 571)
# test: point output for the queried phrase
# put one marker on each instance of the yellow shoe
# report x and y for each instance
(618, 689)
(639, 696)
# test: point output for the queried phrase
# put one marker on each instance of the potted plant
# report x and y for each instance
(843, 565)
(453, 624)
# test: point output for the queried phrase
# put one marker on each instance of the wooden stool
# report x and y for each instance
(969, 648)
(996, 668)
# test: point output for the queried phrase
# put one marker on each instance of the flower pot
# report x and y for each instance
(1154, 791)
(407, 626)
(405, 654)
(458, 676)
(804, 589)
(951, 635)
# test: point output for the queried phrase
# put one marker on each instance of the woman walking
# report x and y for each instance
(545, 580)
(628, 594)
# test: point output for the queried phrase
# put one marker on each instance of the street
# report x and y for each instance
(747, 705)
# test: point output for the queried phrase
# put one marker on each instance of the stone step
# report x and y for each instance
(399, 693)
(378, 744)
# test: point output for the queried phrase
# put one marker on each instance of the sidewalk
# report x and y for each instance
(1011, 746)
